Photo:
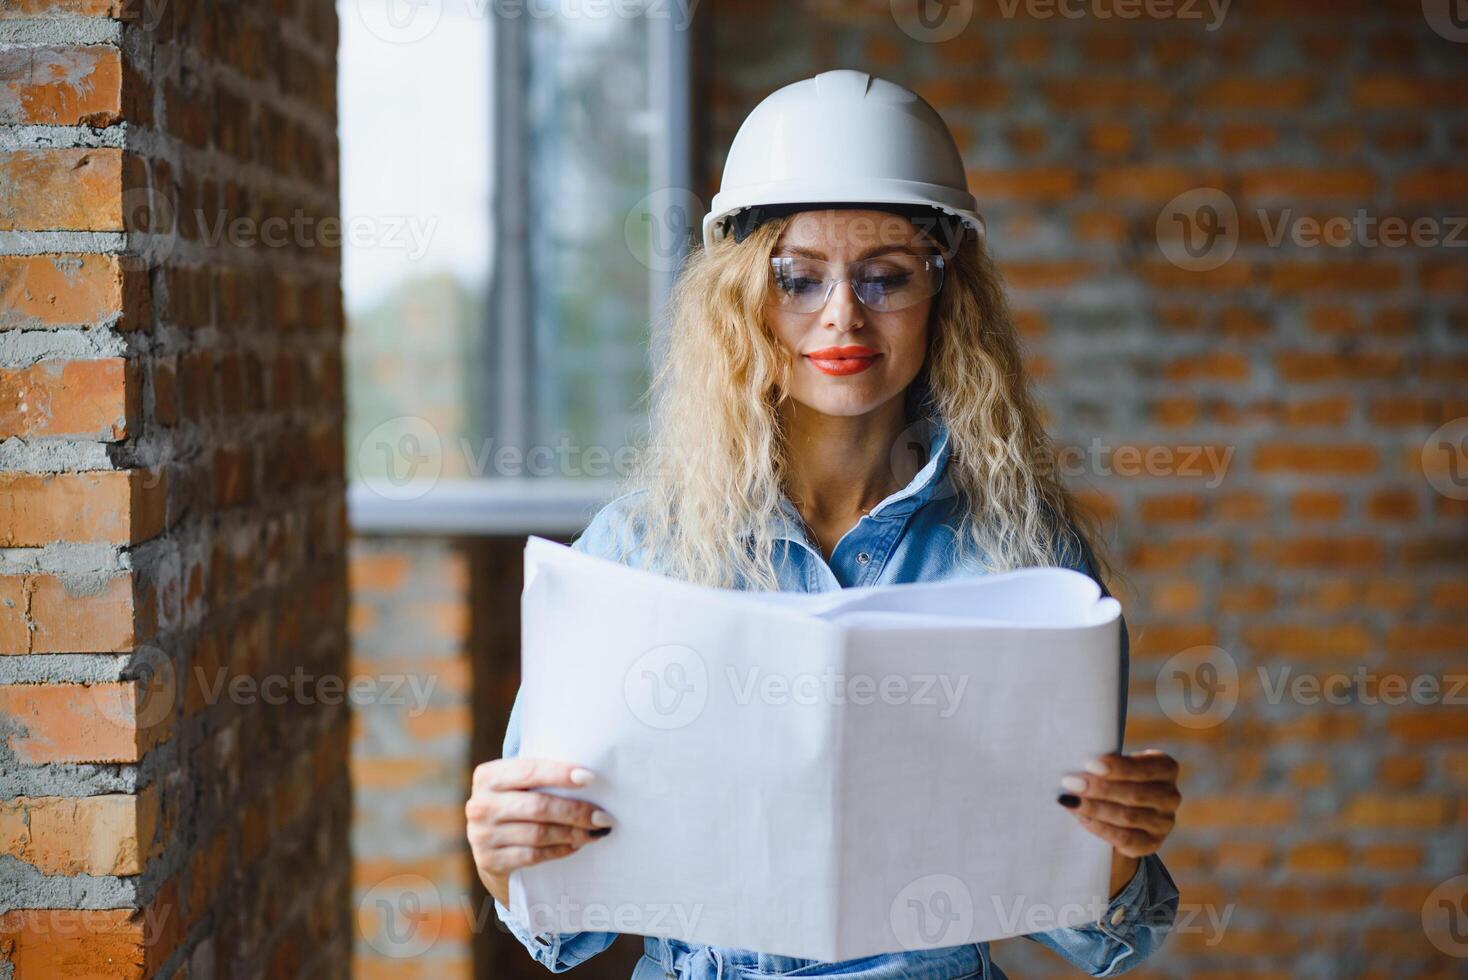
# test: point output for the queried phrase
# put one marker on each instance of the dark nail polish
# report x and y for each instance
(1068, 800)
(600, 832)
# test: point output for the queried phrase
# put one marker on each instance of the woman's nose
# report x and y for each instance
(843, 311)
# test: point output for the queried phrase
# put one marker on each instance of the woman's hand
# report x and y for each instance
(1129, 801)
(511, 826)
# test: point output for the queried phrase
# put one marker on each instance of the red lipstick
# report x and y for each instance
(852, 359)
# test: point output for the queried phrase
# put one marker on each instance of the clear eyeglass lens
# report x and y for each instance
(884, 283)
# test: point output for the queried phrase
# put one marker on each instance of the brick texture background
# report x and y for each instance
(171, 494)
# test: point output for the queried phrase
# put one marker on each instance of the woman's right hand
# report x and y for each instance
(511, 826)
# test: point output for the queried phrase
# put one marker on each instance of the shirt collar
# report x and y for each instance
(926, 484)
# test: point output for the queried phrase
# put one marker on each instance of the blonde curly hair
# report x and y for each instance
(714, 466)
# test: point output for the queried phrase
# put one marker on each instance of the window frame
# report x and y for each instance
(528, 505)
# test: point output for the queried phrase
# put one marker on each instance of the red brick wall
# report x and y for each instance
(1323, 547)
(171, 501)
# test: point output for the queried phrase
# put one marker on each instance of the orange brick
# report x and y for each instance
(108, 834)
(377, 572)
(114, 506)
(79, 86)
(1318, 505)
(1258, 93)
(1218, 366)
(67, 290)
(1288, 641)
(65, 189)
(82, 942)
(1344, 460)
(1157, 184)
(1307, 184)
(1238, 810)
(77, 722)
(1029, 184)
(51, 614)
(1380, 810)
(1320, 857)
(78, 399)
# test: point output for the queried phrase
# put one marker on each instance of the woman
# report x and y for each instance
(842, 403)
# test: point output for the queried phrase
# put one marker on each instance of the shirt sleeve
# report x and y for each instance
(1133, 925)
(556, 951)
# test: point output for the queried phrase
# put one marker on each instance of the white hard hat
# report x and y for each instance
(842, 137)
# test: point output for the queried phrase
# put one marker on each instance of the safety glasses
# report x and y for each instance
(884, 283)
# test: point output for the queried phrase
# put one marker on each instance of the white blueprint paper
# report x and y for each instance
(828, 775)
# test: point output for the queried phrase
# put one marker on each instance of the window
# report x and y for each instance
(507, 173)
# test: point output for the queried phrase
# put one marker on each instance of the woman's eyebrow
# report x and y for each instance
(815, 253)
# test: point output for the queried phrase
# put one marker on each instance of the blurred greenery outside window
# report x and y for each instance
(505, 255)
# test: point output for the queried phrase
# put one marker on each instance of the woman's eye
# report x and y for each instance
(889, 282)
(798, 284)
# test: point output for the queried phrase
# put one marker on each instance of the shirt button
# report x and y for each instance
(863, 558)
(1118, 915)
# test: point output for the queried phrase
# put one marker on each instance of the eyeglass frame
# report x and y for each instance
(934, 261)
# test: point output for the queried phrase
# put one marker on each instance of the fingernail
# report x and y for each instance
(581, 776)
(1068, 801)
(600, 833)
(1073, 783)
(1097, 768)
(601, 818)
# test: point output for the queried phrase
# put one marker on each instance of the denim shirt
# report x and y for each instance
(904, 538)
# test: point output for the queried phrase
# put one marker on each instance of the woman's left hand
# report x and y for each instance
(1129, 801)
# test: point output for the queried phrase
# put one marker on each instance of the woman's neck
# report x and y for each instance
(841, 466)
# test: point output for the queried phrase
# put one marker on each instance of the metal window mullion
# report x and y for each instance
(511, 350)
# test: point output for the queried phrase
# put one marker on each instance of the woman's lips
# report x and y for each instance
(842, 360)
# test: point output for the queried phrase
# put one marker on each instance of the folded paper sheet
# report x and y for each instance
(828, 775)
